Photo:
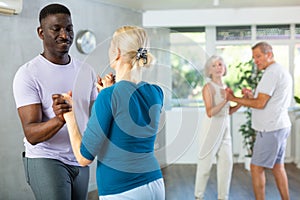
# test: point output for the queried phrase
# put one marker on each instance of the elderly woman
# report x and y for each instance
(123, 125)
(215, 137)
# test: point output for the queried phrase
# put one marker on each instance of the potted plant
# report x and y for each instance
(247, 77)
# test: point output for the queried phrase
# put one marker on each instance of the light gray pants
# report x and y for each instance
(223, 155)
(51, 179)
(154, 190)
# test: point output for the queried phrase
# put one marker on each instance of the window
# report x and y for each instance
(187, 60)
(297, 71)
(233, 43)
(267, 32)
(297, 31)
(233, 55)
(281, 55)
(234, 33)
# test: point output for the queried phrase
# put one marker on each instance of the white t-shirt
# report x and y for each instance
(277, 83)
(36, 81)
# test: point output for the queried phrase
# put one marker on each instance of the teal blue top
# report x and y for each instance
(121, 132)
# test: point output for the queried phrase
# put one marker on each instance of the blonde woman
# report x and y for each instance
(123, 125)
(215, 137)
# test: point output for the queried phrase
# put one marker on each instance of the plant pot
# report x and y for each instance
(247, 162)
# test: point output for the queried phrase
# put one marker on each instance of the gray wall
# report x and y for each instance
(18, 44)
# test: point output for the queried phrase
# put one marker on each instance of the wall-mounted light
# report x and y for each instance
(216, 3)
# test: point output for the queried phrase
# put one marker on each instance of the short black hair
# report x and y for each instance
(52, 9)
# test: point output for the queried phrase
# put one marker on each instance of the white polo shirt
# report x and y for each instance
(277, 83)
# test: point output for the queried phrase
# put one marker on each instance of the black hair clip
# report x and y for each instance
(142, 53)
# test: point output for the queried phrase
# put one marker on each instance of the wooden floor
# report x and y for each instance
(180, 179)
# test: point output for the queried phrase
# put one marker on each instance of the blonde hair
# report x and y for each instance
(133, 43)
(210, 62)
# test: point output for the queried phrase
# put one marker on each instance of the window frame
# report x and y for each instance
(211, 42)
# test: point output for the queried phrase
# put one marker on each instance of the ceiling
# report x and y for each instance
(146, 5)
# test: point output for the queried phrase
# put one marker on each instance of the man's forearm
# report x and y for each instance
(249, 102)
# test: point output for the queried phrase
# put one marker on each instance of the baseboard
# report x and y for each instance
(92, 187)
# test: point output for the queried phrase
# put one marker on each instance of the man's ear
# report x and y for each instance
(40, 32)
(270, 54)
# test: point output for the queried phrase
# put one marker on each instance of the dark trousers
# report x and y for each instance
(51, 179)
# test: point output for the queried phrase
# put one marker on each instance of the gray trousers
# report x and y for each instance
(51, 179)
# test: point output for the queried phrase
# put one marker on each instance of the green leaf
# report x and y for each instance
(297, 99)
